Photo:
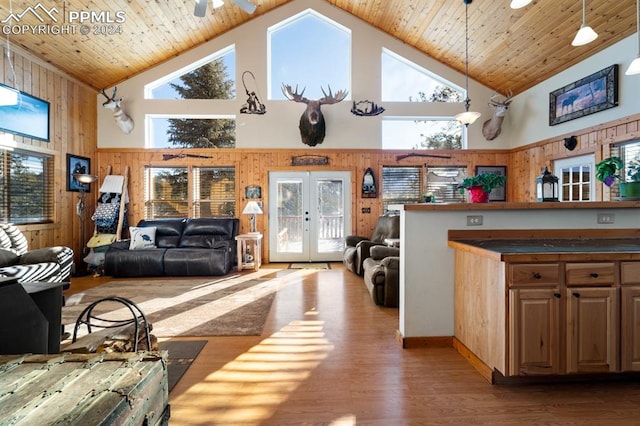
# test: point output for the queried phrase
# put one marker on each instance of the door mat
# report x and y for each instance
(309, 265)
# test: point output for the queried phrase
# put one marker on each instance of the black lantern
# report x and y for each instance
(547, 186)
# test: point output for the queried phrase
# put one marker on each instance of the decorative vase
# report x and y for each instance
(477, 195)
(630, 190)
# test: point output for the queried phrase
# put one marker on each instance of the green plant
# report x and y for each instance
(633, 170)
(487, 181)
(607, 170)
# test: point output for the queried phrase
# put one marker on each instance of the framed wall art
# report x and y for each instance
(252, 192)
(589, 95)
(77, 164)
(496, 194)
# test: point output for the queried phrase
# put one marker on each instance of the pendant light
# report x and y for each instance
(517, 4)
(586, 34)
(634, 68)
(467, 117)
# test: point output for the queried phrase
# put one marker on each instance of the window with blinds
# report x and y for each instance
(166, 192)
(400, 185)
(628, 152)
(442, 183)
(214, 191)
(27, 187)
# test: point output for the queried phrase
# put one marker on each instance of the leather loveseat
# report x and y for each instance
(382, 276)
(357, 248)
(198, 246)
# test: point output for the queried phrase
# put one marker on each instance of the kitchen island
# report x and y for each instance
(547, 302)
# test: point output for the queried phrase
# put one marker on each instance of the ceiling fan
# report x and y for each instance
(201, 6)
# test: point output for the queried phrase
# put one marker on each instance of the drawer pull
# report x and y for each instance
(537, 275)
(557, 295)
(594, 275)
(576, 294)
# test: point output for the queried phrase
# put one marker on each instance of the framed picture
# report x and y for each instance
(592, 94)
(76, 164)
(497, 194)
(252, 192)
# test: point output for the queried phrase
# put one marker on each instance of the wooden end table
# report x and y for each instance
(254, 242)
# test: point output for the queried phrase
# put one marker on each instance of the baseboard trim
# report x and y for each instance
(425, 341)
(477, 363)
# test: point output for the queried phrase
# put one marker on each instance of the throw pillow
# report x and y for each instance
(142, 237)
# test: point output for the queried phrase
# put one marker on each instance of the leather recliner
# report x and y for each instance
(382, 276)
(357, 248)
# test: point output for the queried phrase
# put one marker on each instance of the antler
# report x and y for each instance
(332, 99)
(113, 95)
(494, 102)
(294, 96)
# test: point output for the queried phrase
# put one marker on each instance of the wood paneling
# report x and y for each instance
(508, 49)
(253, 167)
(73, 130)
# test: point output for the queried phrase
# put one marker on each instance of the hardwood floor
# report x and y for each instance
(328, 356)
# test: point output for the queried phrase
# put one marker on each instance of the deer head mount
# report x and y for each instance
(312, 124)
(124, 122)
(493, 126)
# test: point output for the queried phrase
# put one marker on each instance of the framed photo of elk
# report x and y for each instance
(589, 95)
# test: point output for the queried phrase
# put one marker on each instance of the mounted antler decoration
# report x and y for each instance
(312, 124)
(366, 109)
(493, 126)
(122, 119)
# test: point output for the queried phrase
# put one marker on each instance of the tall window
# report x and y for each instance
(575, 178)
(629, 152)
(27, 187)
(214, 191)
(421, 133)
(311, 51)
(211, 192)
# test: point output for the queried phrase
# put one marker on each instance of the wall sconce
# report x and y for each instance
(252, 208)
(369, 189)
(571, 142)
(546, 186)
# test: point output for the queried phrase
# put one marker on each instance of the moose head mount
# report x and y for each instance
(312, 124)
(493, 126)
(124, 122)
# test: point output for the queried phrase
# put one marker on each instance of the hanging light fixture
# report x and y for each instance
(586, 34)
(634, 68)
(517, 4)
(467, 117)
(218, 3)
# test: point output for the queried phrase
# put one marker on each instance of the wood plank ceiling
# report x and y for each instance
(508, 49)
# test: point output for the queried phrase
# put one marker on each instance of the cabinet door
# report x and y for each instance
(534, 331)
(630, 326)
(592, 330)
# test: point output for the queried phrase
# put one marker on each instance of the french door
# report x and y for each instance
(309, 215)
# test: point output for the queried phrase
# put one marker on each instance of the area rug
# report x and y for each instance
(309, 265)
(181, 353)
(230, 306)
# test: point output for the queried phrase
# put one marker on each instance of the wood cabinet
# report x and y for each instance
(559, 318)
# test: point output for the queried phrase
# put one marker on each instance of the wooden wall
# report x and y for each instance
(530, 160)
(253, 167)
(73, 130)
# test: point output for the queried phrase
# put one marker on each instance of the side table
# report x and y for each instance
(249, 250)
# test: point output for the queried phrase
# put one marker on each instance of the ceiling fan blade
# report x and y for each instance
(201, 8)
(245, 5)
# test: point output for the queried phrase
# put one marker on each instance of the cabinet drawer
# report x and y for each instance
(534, 274)
(590, 274)
(630, 272)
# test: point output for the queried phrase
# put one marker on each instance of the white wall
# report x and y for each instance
(528, 117)
(279, 126)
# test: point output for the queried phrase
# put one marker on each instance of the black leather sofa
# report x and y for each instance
(198, 246)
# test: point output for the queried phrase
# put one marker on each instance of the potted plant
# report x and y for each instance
(480, 185)
(607, 171)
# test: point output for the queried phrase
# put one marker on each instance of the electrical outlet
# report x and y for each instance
(475, 220)
(605, 218)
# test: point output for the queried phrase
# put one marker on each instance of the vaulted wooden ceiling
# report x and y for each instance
(508, 49)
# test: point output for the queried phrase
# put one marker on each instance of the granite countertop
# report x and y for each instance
(556, 245)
